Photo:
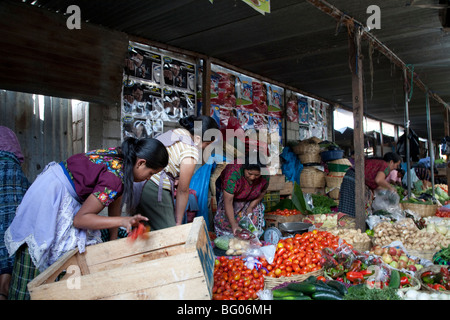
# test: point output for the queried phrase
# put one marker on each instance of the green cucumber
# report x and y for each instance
(285, 292)
(310, 288)
(302, 297)
(326, 296)
(394, 281)
(339, 286)
(311, 279)
(303, 287)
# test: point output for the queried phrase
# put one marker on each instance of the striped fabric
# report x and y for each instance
(24, 271)
(13, 185)
(177, 152)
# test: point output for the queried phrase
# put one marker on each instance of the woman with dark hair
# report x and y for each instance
(60, 210)
(375, 173)
(240, 189)
(158, 201)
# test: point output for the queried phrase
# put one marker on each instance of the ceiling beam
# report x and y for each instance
(344, 19)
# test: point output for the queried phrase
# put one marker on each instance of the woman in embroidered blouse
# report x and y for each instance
(375, 173)
(240, 189)
(60, 209)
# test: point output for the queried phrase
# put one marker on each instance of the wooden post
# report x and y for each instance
(356, 67)
(381, 139)
(430, 141)
(206, 87)
(407, 140)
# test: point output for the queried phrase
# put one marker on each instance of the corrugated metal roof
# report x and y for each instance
(297, 44)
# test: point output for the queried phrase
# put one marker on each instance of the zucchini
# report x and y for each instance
(394, 281)
(302, 297)
(340, 287)
(285, 292)
(326, 296)
(310, 288)
(303, 287)
(311, 279)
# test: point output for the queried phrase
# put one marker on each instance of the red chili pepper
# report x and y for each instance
(404, 280)
(426, 273)
(355, 277)
(439, 287)
(445, 272)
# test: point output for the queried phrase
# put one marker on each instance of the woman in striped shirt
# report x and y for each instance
(184, 145)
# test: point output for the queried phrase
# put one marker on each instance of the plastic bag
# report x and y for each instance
(386, 200)
(247, 225)
(222, 242)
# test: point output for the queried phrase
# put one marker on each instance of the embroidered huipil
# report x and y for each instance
(97, 172)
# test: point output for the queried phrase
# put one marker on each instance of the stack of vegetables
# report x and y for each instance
(346, 265)
(437, 280)
(313, 288)
(301, 254)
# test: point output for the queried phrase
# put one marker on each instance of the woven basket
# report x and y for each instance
(343, 161)
(309, 158)
(362, 246)
(336, 174)
(333, 185)
(415, 285)
(333, 181)
(427, 255)
(424, 286)
(424, 210)
(271, 282)
(306, 146)
(312, 178)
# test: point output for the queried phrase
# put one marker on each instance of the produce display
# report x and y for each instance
(285, 212)
(300, 254)
(412, 238)
(397, 258)
(313, 288)
(349, 266)
(233, 280)
(437, 280)
(442, 257)
(423, 295)
(352, 236)
(443, 212)
(330, 220)
(325, 264)
(232, 245)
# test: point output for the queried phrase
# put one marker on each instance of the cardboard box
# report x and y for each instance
(172, 264)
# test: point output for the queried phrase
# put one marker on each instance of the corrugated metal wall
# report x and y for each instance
(44, 127)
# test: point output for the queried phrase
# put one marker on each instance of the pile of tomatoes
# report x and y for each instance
(286, 212)
(234, 281)
(442, 212)
(301, 254)
(293, 256)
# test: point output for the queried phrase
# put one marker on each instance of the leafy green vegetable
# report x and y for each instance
(323, 201)
(321, 210)
(362, 292)
(298, 199)
(297, 202)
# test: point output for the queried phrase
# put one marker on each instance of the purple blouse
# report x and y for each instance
(97, 172)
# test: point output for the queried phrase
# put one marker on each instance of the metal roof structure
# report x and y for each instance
(299, 45)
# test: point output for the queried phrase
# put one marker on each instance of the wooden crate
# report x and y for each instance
(172, 264)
